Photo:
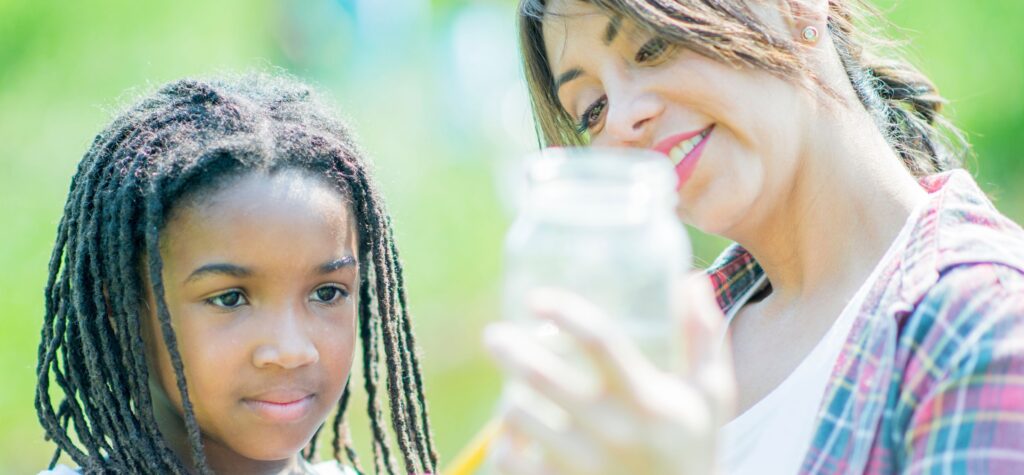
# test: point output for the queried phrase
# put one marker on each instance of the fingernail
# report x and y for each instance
(494, 338)
(544, 303)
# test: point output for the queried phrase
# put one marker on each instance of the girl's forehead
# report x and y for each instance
(258, 189)
(292, 184)
(277, 221)
(285, 198)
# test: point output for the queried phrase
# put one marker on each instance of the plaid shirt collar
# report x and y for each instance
(957, 226)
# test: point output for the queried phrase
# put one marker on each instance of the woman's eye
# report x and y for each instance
(230, 299)
(329, 294)
(651, 50)
(592, 115)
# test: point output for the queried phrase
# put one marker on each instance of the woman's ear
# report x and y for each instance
(801, 20)
(806, 19)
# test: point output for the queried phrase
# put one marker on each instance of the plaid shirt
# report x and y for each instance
(931, 377)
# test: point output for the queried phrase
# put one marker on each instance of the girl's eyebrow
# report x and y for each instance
(233, 270)
(327, 268)
(218, 268)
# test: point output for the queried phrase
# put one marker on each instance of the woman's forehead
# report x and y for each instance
(570, 25)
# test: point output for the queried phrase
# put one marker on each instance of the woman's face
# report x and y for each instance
(733, 133)
(261, 281)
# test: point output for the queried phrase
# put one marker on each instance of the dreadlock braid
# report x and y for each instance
(428, 439)
(369, 327)
(411, 386)
(155, 266)
(179, 142)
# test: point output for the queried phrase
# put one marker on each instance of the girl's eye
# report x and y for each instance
(651, 50)
(229, 299)
(592, 115)
(329, 294)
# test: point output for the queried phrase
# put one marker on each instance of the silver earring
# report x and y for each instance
(810, 34)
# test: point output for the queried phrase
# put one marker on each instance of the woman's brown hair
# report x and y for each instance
(904, 103)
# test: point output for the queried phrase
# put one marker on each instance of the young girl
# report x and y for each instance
(222, 249)
(875, 294)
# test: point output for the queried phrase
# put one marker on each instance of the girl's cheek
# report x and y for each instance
(343, 343)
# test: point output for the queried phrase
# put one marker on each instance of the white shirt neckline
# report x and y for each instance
(773, 435)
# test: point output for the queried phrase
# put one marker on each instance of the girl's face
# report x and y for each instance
(261, 282)
(732, 133)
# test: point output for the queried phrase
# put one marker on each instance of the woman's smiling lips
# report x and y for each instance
(684, 150)
(281, 405)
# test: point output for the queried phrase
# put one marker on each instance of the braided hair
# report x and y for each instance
(92, 397)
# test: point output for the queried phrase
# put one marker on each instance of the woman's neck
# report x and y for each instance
(848, 201)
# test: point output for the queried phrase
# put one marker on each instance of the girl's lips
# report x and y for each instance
(687, 165)
(281, 410)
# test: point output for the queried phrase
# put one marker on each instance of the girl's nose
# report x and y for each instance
(287, 344)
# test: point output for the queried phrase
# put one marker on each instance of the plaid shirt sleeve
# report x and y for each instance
(961, 403)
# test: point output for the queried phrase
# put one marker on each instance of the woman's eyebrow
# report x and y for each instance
(328, 267)
(612, 30)
(610, 33)
(566, 77)
(222, 268)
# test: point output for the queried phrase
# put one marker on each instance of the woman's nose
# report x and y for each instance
(286, 343)
(630, 120)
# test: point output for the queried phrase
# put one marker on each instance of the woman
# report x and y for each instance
(875, 299)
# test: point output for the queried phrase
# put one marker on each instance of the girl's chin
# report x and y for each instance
(267, 449)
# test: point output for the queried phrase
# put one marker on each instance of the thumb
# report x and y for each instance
(707, 346)
(700, 321)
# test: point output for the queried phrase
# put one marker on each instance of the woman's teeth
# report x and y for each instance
(679, 152)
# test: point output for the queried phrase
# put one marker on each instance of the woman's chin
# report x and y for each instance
(707, 221)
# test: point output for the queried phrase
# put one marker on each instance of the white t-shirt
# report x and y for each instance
(773, 436)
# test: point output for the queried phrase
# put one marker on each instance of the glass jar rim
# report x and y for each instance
(601, 165)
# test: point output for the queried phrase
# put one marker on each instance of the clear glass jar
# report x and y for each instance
(600, 222)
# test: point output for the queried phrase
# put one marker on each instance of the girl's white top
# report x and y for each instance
(322, 468)
(773, 436)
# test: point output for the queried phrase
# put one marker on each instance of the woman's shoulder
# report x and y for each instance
(960, 352)
(961, 225)
(972, 316)
(956, 239)
(969, 290)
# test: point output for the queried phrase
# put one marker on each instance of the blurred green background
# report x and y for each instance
(432, 87)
